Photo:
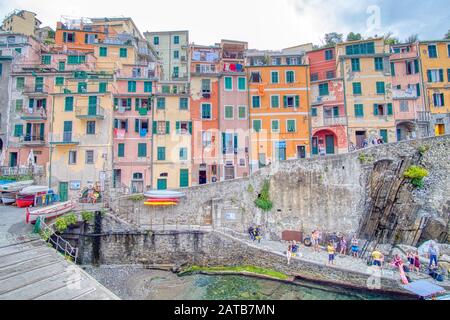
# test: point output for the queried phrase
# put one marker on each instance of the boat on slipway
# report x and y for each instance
(35, 196)
(164, 194)
(9, 191)
(49, 212)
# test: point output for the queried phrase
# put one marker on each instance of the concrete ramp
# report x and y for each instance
(31, 270)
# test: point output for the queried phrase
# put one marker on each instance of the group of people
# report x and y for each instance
(374, 141)
(255, 233)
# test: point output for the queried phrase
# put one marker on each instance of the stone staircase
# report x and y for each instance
(31, 270)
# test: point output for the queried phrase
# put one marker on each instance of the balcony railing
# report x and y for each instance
(233, 55)
(335, 121)
(67, 138)
(423, 116)
(30, 140)
(404, 94)
(90, 112)
(33, 114)
(22, 171)
(36, 89)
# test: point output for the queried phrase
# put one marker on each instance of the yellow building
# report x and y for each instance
(21, 21)
(81, 136)
(171, 137)
(365, 68)
(435, 59)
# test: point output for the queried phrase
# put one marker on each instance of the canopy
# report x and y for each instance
(424, 288)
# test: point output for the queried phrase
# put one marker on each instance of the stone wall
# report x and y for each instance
(359, 193)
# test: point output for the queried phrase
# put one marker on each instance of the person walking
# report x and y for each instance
(378, 258)
(315, 240)
(331, 253)
(289, 253)
(416, 262)
(433, 255)
(251, 232)
(355, 247)
(258, 236)
(343, 246)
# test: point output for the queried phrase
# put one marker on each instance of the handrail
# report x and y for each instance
(59, 244)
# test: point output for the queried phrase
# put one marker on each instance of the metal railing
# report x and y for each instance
(36, 113)
(32, 140)
(89, 112)
(21, 171)
(335, 121)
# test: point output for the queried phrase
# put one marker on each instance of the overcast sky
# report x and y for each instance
(265, 24)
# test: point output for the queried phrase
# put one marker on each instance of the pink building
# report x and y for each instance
(328, 114)
(133, 102)
(234, 120)
(411, 117)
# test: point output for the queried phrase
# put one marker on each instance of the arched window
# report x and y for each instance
(138, 176)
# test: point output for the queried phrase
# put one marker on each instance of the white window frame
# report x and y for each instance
(210, 110)
(437, 50)
(279, 101)
(225, 112)
(271, 79)
(253, 125)
(245, 79)
(225, 84)
(287, 127)
(76, 155)
(285, 75)
(246, 112)
(271, 126)
(86, 157)
(253, 107)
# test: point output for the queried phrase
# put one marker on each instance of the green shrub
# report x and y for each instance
(71, 219)
(137, 197)
(423, 149)
(263, 202)
(416, 174)
(61, 224)
(365, 158)
(87, 216)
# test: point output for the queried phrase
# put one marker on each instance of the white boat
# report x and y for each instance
(9, 197)
(49, 212)
(33, 190)
(15, 186)
(164, 194)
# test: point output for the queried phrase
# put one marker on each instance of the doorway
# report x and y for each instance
(360, 137)
(63, 191)
(301, 152)
(315, 146)
(202, 177)
(229, 173)
(440, 130)
(329, 142)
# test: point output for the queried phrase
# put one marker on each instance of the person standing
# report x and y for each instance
(289, 253)
(343, 246)
(378, 258)
(433, 255)
(417, 261)
(355, 247)
(251, 232)
(258, 234)
(331, 253)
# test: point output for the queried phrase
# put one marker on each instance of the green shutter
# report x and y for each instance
(68, 107)
(167, 127)
(123, 52)
(314, 112)
(137, 125)
(18, 130)
(190, 127)
(155, 127)
(121, 150)
(178, 127)
(285, 101)
(392, 69)
(297, 101)
(147, 87)
(103, 51)
(102, 87)
(416, 66)
(375, 109)
(59, 81)
(390, 109)
(184, 178)
(142, 150)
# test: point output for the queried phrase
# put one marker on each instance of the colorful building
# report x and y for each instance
(279, 105)
(234, 115)
(411, 115)
(204, 106)
(328, 113)
(365, 67)
(435, 61)
(21, 21)
(172, 50)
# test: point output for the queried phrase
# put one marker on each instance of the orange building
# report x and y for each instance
(279, 106)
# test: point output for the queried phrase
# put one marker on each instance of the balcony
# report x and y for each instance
(65, 139)
(32, 141)
(404, 94)
(232, 55)
(423, 116)
(36, 90)
(90, 112)
(33, 114)
(334, 121)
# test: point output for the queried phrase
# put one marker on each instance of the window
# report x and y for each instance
(121, 150)
(290, 76)
(329, 54)
(392, 69)
(160, 103)
(448, 75)
(256, 102)
(46, 59)
(275, 101)
(147, 87)
(274, 77)
(357, 88)
(59, 81)
(142, 150)
(418, 89)
(362, 48)
(68, 106)
(176, 40)
(438, 99)
(242, 84)
(331, 74)
(176, 54)
(228, 83)
(379, 65)
(384, 135)
(206, 139)
(404, 106)
(206, 111)
(183, 154)
(18, 130)
(19, 105)
(381, 88)
(131, 86)
(90, 157)
(314, 112)
(72, 157)
(156, 41)
(436, 75)
(206, 86)
(356, 65)
(90, 127)
(161, 154)
(61, 65)
(184, 103)
(176, 72)
(229, 113)
(102, 87)
(242, 112)
(323, 89)
(255, 77)
(291, 126)
(183, 127)
(20, 83)
(275, 126)
(359, 110)
(257, 125)
(448, 50)
(103, 51)
(291, 101)
(76, 59)
(82, 87)
(432, 51)
(383, 110)
(123, 52)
